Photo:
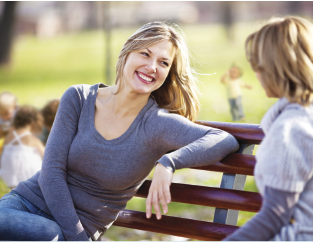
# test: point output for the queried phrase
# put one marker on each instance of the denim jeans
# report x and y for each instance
(21, 220)
(236, 108)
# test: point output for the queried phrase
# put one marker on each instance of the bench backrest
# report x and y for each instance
(228, 199)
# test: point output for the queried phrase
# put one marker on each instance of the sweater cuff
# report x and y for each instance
(167, 163)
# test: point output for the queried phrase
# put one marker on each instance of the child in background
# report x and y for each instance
(22, 152)
(231, 79)
(48, 112)
(8, 107)
(281, 55)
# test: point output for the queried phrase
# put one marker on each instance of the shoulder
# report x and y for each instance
(291, 134)
(162, 116)
(82, 90)
(34, 141)
(294, 118)
(80, 93)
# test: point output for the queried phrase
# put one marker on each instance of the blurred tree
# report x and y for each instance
(227, 18)
(107, 32)
(6, 31)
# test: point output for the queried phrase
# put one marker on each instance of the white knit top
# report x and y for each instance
(285, 162)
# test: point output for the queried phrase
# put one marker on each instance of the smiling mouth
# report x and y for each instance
(144, 78)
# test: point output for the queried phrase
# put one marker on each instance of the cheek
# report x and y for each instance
(164, 74)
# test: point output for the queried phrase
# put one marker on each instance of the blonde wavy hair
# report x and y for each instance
(179, 92)
(282, 53)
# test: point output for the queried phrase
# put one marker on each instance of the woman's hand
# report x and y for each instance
(159, 191)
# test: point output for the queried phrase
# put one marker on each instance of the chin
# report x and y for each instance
(143, 90)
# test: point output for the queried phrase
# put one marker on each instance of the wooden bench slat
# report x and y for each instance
(210, 196)
(244, 133)
(233, 163)
(182, 227)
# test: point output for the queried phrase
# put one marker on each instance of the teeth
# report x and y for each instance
(148, 79)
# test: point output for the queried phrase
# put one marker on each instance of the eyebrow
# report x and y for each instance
(163, 58)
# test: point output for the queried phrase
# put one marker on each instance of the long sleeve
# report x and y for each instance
(194, 145)
(53, 176)
(276, 212)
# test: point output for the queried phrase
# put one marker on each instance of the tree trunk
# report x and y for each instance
(108, 46)
(228, 19)
(6, 31)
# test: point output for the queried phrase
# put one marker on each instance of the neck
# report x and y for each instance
(126, 103)
(24, 129)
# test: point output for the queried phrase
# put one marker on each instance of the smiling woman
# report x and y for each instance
(105, 140)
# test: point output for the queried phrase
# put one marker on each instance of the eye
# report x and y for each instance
(144, 53)
(164, 63)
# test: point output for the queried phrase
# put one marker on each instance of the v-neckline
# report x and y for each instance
(130, 128)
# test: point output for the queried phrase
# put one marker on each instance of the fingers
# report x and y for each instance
(155, 202)
(163, 202)
(155, 198)
(159, 192)
(148, 205)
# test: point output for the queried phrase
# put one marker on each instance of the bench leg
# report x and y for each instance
(232, 181)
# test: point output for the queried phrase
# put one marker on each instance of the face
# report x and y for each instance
(234, 72)
(146, 69)
(7, 112)
(268, 92)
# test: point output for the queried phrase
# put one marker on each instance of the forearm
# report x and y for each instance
(276, 211)
(211, 148)
(223, 78)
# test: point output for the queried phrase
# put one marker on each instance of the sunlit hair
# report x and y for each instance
(28, 115)
(49, 111)
(179, 92)
(7, 98)
(282, 52)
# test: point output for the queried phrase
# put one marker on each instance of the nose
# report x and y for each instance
(151, 67)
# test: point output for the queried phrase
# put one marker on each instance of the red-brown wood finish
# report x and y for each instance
(233, 163)
(244, 133)
(182, 227)
(210, 196)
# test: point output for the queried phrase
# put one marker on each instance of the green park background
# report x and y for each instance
(42, 69)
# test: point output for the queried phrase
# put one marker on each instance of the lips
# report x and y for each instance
(144, 78)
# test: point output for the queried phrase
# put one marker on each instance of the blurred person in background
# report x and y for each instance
(233, 83)
(8, 107)
(22, 151)
(105, 141)
(48, 112)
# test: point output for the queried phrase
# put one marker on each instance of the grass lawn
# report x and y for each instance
(43, 69)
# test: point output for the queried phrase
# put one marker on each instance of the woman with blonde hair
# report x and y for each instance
(105, 140)
(281, 54)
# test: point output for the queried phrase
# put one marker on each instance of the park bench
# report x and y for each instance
(228, 199)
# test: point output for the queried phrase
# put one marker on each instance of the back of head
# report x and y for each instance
(178, 94)
(7, 98)
(282, 52)
(49, 111)
(8, 105)
(28, 115)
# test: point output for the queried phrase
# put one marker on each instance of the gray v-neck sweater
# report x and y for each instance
(86, 180)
